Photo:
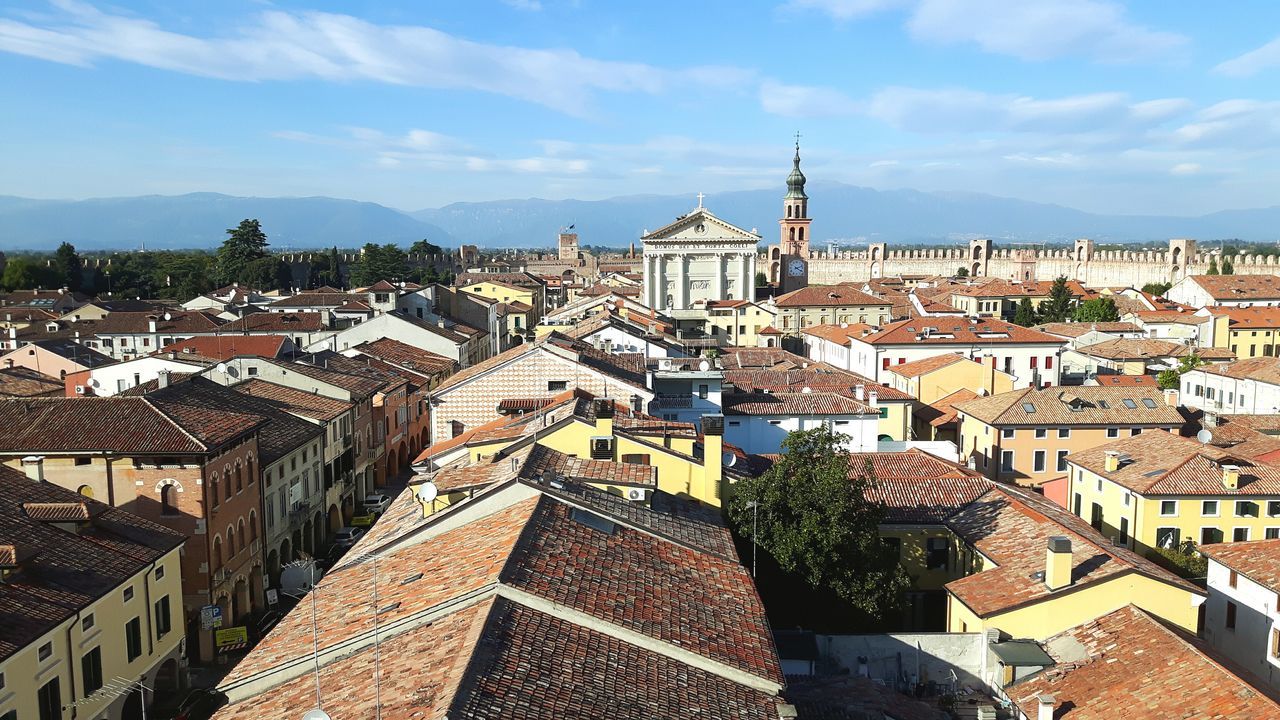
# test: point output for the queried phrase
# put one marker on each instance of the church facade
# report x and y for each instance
(698, 257)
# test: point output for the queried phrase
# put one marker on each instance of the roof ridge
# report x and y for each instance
(149, 402)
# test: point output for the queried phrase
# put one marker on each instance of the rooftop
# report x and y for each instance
(1140, 349)
(828, 296)
(276, 322)
(917, 487)
(924, 366)
(21, 382)
(1076, 405)
(1161, 463)
(225, 347)
(1260, 369)
(1258, 560)
(839, 334)
(1076, 329)
(1232, 288)
(958, 331)
(1249, 318)
(407, 356)
(298, 402)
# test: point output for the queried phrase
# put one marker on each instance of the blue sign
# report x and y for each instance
(210, 617)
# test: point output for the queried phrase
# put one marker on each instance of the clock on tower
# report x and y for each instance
(795, 268)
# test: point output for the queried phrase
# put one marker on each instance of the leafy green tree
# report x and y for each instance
(422, 247)
(244, 244)
(1227, 267)
(1171, 379)
(762, 280)
(380, 262)
(1026, 314)
(1157, 289)
(1101, 309)
(20, 274)
(1058, 307)
(266, 273)
(962, 272)
(815, 520)
(68, 268)
(1213, 266)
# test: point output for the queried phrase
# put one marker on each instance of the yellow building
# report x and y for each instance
(1247, 332)
(1000, 298)
(505, 292)
(737, 322)
(985, 555)
(828, 305)
(1161, 490)
(931, 379)
(580, 426)
(1025, 436)
(93, 603)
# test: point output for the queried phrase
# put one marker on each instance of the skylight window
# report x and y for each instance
(1104, 405)
(593, 521)
(1130, 404)
(1028, 408)
(1151, 404)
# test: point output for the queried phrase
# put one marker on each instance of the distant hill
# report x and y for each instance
(841, 212)
(200, 220)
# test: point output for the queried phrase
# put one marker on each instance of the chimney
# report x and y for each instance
(1057, 563)
(1112, 461)
(712, 456)
(151, 325)
(860, 392)
(1044, 707)
(873, 398)
(162, 379)
(1231, 477)
(33, 466)
(604, 417)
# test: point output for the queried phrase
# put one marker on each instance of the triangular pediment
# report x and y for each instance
(701, 224)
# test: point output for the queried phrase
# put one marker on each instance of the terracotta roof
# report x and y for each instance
(1129, 659)
(135, 323)
(995, 287)
(58, 573)
(407, 356)
(1260, 369)
(828, 296)
(1012, 527)
(607, 363)
(1160, 463)
(917, 487)
(1076, 405)
(923, 366)
(1258, 560)
(523, 280)
(312, 300)
(276, 322)
(326, 368)
(793, 403)
(1076, 329)
(225, 347)
(117, 424)
(736, 358)
(958, 331)
(943, 410)
(1183, 317)
(1246, 318)
(298, 402)
(839, 334)
(1126, 380)
(354, 306)
(19, 381)
(1239, 287)
(1147, 349)
(817, 377)
(381, 286)
(75, 352)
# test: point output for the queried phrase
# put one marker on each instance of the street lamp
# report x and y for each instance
(755, 524)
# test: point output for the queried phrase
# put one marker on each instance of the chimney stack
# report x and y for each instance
(860, 392)
(33, 466)
(162, 379)
(1112, 461)
(873, 398)
(1171, 397)
(1231, 477)
(712, 455)
(1044, 707)
(151, 325)
(604, 417)
(1057, 563)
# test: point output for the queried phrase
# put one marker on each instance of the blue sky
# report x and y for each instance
(1139, 107)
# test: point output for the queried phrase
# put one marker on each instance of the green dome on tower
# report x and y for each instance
(795, 181)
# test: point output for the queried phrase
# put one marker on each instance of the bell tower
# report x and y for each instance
(794, 224)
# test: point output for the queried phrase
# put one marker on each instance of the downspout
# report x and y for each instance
(111, 483)
(71, 667)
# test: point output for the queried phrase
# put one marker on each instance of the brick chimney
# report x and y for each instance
(712, 455)
(1057, 563)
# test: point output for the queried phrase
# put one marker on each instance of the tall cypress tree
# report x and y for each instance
(1058, 307)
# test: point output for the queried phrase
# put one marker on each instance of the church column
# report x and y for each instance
(744, 288)
(721, 272)
(648, 280)
(749, 289)
(682, 282)
(661, 272)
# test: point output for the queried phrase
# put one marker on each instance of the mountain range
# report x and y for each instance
(842, 213)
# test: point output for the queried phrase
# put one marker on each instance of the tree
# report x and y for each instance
(1171, 379)
(323, 270)
(244, 244)
(1058, 307)
(266, 273)
(1227, 267)
(422, 247)
(762, 280)
(962, 272)
(815, 520)
(1157, 289)
(380, 262)
(1026, 314)
(1101, 309)
(19, 274)
(67, 267)
(1213, 266)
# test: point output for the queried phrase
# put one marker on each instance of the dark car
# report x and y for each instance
(200, 705)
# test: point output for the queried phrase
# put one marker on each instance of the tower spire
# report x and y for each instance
(796, 180)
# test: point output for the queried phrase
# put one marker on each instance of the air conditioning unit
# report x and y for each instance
(637, 494)
(79, 389)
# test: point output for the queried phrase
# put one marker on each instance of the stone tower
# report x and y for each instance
(979, 256)
(794, 225)
(568, 246)
(1182, 255)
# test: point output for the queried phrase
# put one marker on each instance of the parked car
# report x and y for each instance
(347, 536)
(376, 504)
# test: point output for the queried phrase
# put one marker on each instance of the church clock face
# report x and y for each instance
(795, 268)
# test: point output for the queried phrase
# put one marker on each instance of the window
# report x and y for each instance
(1062, 461)
(167, 500)
(1168, 537)
(1210, 536)
(1064, 433)
(702, 392)
(1113, 432)
(1006, 460)
(45, 651)
(1231, 615)
(1240, 534)
(884, 413)
(133, 638)
(164, 619)
(91, 671)
(1095, 516)
(1035, 362)
(49, 700)
(1042, 433)
(1168, 508)
(160, 573)
(1038, 459)
(1275, 643)
(1273, 508)
(1272, 533)
(1007, 433)
(1246, 508)
(938, 551)
(1048, 362)
(1075, 509)
(128, 594)
(893, 545)
(1124, 531)
(86, 623)
(1135, 431)
(557, 385)
(1209, 508)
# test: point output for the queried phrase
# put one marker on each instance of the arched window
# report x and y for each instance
(240, 534)
(788, 211)
(217, 552)
(226, 481)
(249, 469)
(801, 234)
(86, 491)
(253, 526)
(239, 477)
(168, 504)
(231, 542)
(792, 234)
(213, 491)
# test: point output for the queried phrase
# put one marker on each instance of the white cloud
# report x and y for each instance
(1252, 62)
(1186, 168)
(1239, 123)
(527, 5)
(845, 9)
(801, 101)
(341, 48)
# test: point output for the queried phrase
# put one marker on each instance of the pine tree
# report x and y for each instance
(67, 267)
(1026, 314)
(243, 245)
(1227, 267)
(1213, 266)
(1058, 307)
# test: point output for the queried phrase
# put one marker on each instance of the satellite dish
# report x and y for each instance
(806, 389)
(427, 492)
(1204, 437)
(93, 383)
(316, 714)
(221, 367)
(704, 366)
(730, 459)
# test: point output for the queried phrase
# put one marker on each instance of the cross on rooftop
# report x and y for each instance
(700, 196)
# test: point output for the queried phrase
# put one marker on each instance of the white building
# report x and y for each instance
(698, 257)
(114, 379)
(1235, 290)
(1241, 617)
(759, 422)
(467, 346)
(1244, 387)
(1030, 356)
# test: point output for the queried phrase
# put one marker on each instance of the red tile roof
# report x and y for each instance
(23, 382)
(1076, 329)
(793, 403)
(946, 331)
(1160, 463)
(1076, 405)
(839, 334)
(1232, 288)
(1246, 318)
(298, 402)
(923, 366)
(828, 296)
(1126, 380)
(1139, 349)
(176, 321)
(275, 322)
(225, 347)
(917, 487)
(407, 356)
(1258, 560)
